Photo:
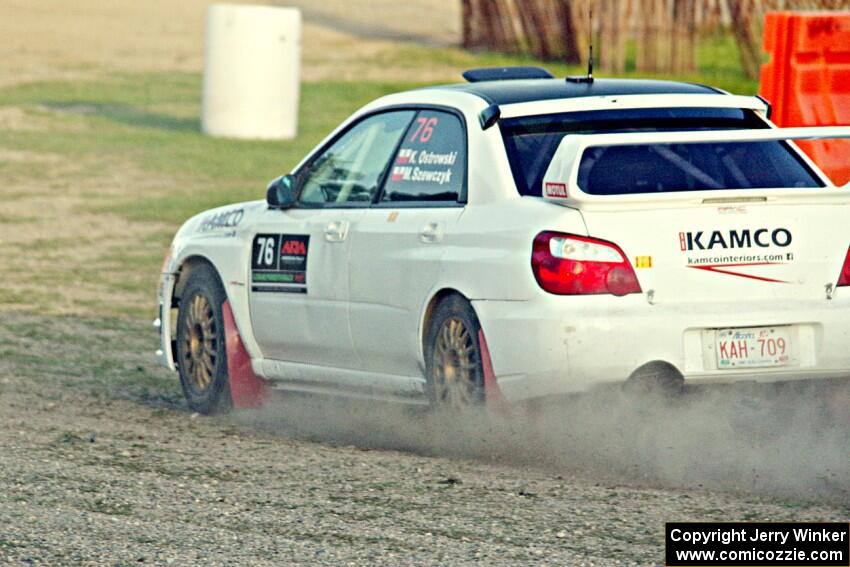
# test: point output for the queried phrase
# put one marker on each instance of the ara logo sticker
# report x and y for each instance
(293, 248)
(279, 263)
(558, 190)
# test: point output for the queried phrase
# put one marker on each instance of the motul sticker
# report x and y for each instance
(279, 263)
(557, 190)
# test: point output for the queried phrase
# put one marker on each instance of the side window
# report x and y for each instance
(431, 163)
(350, 170)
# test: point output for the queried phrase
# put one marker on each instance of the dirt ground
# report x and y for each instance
(47, 40)
(102, 464)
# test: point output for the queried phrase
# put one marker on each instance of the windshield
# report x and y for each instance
(532, 141)
(626, 170)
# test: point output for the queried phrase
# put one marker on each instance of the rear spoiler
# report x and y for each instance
(560, 183)
(699, 136)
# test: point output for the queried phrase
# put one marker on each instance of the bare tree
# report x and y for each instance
(665, 32)
(543, 28)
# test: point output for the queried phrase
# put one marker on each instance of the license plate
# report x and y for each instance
(753, 347)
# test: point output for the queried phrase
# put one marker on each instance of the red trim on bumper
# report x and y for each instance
(492, 394)
(246, 389)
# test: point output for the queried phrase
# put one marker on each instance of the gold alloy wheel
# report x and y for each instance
(455, 380)
(201, 343)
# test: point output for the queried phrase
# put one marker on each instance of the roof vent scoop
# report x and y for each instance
(506, 74)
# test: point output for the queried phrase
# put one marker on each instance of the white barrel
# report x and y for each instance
(252, 72)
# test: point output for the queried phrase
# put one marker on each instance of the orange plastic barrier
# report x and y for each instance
(808, 80)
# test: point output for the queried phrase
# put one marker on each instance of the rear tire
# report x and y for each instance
(454, 374)
(656, 380)
(201, 349)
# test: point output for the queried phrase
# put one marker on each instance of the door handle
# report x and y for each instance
(431, 233)
(336, 231)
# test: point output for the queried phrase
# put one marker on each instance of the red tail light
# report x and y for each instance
(566, 264)
(844, 278)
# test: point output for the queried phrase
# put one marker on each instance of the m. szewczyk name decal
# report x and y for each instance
(745, 238)
(279, 263)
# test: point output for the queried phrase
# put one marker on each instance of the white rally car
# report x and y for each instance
(515, 237)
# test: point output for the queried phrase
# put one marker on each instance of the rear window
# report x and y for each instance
(532, 141)
(654, 168)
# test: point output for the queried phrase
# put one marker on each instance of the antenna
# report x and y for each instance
(589, 77)
(590, 40)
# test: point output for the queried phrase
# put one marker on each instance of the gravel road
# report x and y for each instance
(102, 465)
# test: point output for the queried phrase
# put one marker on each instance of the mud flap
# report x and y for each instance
(492, 394)
(247, 390)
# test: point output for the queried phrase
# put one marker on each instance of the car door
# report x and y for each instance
(398, 244)
(300, 256)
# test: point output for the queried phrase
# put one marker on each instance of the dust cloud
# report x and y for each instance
(790, 442)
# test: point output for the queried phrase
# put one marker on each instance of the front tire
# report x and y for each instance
(454, 373)
(201, 349)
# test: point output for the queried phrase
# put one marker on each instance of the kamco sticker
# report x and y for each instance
(726, 239)
(279, 263)
(225, 219)
(558, 190)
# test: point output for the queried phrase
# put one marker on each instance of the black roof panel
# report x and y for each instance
(510, 92)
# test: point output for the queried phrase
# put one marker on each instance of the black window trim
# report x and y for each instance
(462, 199)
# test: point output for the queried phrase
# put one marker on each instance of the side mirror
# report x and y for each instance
(281, 192)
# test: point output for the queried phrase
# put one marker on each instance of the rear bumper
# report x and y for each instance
(559, 345)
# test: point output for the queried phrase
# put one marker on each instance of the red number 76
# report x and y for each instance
(424, 130)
